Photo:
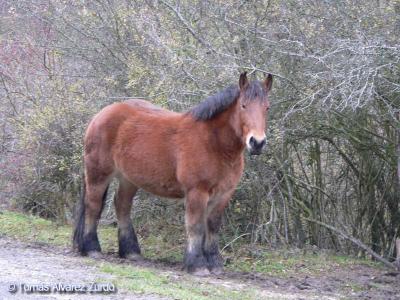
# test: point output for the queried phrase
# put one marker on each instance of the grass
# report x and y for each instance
(163, 247)
(168, 246)
(136, 279)
(33, 229)
(37, 230)
(289, 262)
(145, 281)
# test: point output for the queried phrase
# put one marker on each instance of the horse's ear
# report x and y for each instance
(268, 82)
(243, 82)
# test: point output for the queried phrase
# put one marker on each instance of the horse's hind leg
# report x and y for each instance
(128, 242)
(96, 193)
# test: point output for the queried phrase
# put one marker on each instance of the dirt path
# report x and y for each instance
(24, 263)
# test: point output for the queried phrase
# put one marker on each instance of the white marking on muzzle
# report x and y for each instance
(256, 136)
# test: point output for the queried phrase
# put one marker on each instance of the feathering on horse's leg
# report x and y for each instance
(214, 220)
(93, 205)
(127, 240)
(195, 221)
(211, 248)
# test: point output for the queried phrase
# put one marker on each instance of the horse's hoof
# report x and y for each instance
(201, 272)
(217, 271)
(95, 254)
(134, 257)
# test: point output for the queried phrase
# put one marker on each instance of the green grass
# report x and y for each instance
(167, 245)
(284, 263)
(136, 279)
(38, 230)
(353, 287)
(145, 281)
(33, 229)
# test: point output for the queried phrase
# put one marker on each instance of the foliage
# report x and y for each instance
(334, 130)
(51, 136)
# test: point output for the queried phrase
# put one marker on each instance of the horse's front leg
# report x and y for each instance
(195, 221)
(214, 220)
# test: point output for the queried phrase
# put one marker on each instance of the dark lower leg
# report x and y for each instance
(211, 248)
(196, 204)
(128, 242)
(194, 256)
(90, 238)
(127, 239)
(214, 220)
(96, 192)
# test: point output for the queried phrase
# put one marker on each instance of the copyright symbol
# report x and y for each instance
(12, 288)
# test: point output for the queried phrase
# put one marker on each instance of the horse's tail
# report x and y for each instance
(80, 220)
(78, 241)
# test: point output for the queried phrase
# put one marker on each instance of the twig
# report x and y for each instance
(187, 26)
(231, 242)
(357, 242)
(398, 253)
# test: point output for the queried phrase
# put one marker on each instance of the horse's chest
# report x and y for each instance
(229, 176)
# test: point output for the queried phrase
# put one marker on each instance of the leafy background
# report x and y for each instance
(333, 152)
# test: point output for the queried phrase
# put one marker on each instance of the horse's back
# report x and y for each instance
(111, 117)
(149, 107)
(119, 120)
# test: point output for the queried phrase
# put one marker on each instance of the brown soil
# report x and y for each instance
(36, 263)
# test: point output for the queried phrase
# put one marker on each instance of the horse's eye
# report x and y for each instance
(243, 106)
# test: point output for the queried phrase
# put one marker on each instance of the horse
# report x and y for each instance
(197, 155)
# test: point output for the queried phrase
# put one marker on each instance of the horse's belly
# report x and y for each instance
(158, 182)
(164, 190)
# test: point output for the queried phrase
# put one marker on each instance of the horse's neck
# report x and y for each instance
(227, 133)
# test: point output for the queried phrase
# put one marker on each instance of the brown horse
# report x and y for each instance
(197, 155)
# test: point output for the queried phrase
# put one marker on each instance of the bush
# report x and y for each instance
(51, 136)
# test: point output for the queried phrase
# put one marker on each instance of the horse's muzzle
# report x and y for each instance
(256, 146)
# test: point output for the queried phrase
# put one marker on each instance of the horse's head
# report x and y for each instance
(254, 105)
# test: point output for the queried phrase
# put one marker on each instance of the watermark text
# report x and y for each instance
(62, 288)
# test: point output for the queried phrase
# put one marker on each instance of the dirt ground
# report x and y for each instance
(25, 263)
(30, 264)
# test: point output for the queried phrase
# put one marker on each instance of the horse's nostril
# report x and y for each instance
(253, 141)
(255, 144)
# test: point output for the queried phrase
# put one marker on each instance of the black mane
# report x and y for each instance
(213, 105)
